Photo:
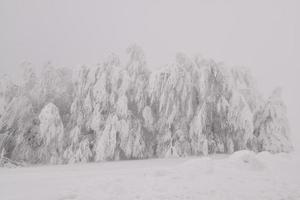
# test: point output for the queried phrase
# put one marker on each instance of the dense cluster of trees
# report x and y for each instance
(125, 111)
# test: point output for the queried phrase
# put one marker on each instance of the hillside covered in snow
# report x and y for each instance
(118, 111)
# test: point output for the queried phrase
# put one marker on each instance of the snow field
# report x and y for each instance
(242, 175)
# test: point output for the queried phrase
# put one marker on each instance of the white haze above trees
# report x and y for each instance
(124, 111)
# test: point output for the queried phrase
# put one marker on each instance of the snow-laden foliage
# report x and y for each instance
(272, 130)
(79, 148)
(112, 111)
(16, 131)
(22, 105)
(8, 91)
(51, 133)
(108, 106)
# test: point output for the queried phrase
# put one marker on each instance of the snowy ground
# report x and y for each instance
(241, 176)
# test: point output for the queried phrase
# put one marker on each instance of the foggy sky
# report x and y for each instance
(262, 35)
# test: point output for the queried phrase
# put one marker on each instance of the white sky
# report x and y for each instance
(262, 35)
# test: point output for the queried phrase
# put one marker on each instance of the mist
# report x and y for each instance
(260, 35)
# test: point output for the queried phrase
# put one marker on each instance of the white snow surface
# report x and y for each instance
(241, 176)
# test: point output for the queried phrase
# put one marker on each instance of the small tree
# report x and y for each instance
(272, 127)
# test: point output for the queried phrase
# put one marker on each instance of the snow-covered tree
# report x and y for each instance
(8, 90)
(14, 123)
(240, 122)
(29, 76)
(272, 127)
(51, 134)
(79, 149)
(111, 111)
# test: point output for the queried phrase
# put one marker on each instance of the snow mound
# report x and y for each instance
(265, 156)
(271, 159)
(199, 165)
(246, 160)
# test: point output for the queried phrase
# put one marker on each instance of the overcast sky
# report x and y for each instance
(262, 35)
